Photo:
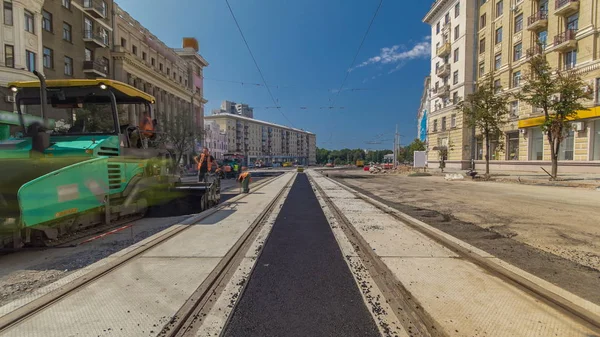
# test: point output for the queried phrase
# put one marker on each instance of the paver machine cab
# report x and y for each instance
(71, 165)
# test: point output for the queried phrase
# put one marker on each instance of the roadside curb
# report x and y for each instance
(583, 309)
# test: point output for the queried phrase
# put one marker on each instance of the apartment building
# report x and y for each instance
(215, 140)
(268, 142)
(509, 32)
(173, 77)
(21, 46)
(453, 37)
(76, 37)
(235, 109)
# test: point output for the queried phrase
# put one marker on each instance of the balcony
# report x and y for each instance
(96, 38)
(537, 21)
(443, 71)
(95, 67)
(565, 40)
(442, 91)
(444, 50)
(566, 7)
(534, 51)
(95, 8)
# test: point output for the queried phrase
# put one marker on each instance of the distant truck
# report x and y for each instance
(360, 163)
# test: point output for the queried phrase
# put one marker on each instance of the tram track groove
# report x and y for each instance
(575, 311)
(26, 311)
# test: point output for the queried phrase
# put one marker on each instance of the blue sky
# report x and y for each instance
(304, 48)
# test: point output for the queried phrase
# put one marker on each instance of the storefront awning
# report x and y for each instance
(582, 114)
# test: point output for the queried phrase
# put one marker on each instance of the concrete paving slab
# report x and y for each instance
(135, 300)
(467, 301)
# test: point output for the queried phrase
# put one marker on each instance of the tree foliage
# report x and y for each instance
(487, 110)
(558, 94)
(178, 135)
(349, 156)
(407, 152)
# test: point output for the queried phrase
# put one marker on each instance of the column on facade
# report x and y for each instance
(39, 62)
(131, 108)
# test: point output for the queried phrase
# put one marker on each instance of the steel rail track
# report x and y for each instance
(554, 300)
(15, 317)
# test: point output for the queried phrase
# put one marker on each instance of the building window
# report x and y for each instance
(30, 59)
(134, 49)
(514, 109)
(482, 46)
(498, 62)
(88, 28)
(435, 125)
(455, 77)
(499, 8)
(106, 63)
(66, 4)
(455, 97)
(498, 38)
(481, 69)
(105, 37)
(519, 23)
(46, 21)
(573, 22)
(29, 23)
(8, 13)
(596, 134)
(567, 147)
(542, 38)
(518, 52)
(453, 120)
(570, 59)
(89, 54)
(67, 32)
(443, 123)
(456, 32)
(153, 61)
(144, 55)
(48, 58)
(68, 66)
(447, 18)
(497, 86)
(437, 28)
(168, 71)
(9, 56)
(457, 10)
(536, 148)
(160, 66)
(513, 146)
(516, 79)
(598, 91)
(180, 79)
(482, 21)
(455, 55)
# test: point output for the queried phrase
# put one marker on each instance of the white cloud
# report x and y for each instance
(396, 55)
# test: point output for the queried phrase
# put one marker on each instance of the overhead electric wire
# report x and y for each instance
(358, 51)
(256, 63)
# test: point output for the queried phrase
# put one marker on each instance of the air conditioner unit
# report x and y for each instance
(578, 126)
(10, 99)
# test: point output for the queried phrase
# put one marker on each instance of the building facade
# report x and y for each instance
(76, 37)
(566, 31)
(215, 140)
(21, 43)
(267, 142)
(234, 108)
(424, 108)
(452, 76)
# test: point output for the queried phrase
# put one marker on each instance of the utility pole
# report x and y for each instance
(396, 143)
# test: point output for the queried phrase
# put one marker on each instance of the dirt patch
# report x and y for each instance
(581, 280)
(22, 282)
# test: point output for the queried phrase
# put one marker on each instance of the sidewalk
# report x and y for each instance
(582, 180)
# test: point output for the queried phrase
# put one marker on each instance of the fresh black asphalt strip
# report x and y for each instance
(301, 285)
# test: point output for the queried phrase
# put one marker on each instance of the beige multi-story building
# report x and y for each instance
(173, 77)
(452, 76)
(566, 31)
(267, 142)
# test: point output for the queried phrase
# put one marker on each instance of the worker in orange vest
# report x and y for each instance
(245, 180)
(204, 164)
(146, 131)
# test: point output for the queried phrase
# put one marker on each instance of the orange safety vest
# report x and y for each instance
(146, 127)
(201, 161)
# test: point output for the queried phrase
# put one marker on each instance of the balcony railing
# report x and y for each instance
(563, 7)
(95, 8)
(443, 71)
(565, 40)
(537, 20)
(442, 91)
(443, 50)
(95, 37)
(95, 67)
(535, 50)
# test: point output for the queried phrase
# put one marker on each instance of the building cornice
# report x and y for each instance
(246, 119)
(435, 10)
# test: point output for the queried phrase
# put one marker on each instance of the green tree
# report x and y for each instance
(487, 110)
(177, 135)
(559, 95)
(407, 152)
